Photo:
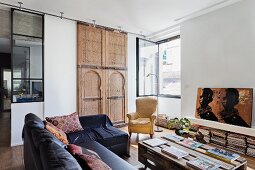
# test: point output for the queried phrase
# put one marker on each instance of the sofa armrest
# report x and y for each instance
(132, 116)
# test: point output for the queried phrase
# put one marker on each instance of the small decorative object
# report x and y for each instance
(162, 120)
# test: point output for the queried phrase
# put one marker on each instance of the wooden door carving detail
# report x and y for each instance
(90, 92)
(116, 46)
(91, 45)
(116, 96)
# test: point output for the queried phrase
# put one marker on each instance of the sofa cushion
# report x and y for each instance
(141, 121)
(67, 123)
(54, 157)
(77, 150)
(58, 133)
(82, 136)
(91, 162)
(42, 135)
(110, 136)
(111, 159)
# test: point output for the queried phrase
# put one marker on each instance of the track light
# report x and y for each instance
(61, 15)
(20, 4)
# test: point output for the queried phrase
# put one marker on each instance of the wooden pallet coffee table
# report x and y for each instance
(153, 158)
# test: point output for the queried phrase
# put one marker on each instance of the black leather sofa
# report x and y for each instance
(43, 151)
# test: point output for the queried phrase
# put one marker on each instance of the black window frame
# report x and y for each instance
(12, 45)
(137, 66)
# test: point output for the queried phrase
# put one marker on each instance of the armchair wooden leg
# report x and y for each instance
(151, 135)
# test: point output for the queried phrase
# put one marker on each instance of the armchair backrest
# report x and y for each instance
(146, 106)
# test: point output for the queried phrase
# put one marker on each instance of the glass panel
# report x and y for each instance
(25, 23)
(21, 58)
(170, 68)
(27, 90)
(148, 61)
(27, 57)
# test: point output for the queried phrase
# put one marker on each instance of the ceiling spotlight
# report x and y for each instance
(61, 15)
(20, 5)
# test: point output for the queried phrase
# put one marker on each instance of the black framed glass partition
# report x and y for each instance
(27, 57)
(147, 65)
(159, 60)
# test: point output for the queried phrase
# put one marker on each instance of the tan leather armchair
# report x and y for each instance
(142, 121)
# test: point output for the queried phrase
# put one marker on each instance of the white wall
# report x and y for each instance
(18, 112)
(169, 106)
(60, 66)
(218, 51)
(131, 72)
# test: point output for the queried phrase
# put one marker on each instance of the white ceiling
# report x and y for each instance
(147, 16)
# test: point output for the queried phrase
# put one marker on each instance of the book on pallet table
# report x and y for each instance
(154, 142)
(190, 143)
(202, 163)
(174, 152)
(173, 137)
(223, 154)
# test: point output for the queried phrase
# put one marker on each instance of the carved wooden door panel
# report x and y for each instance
(91, 45)
(90, 91)
(116, 49)
(116, 101)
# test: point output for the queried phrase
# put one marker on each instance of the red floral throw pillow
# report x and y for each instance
(92, 162)
(58, 133)
(67, 123)
(77, 150)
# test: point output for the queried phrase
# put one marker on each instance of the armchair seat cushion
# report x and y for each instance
(140, 121)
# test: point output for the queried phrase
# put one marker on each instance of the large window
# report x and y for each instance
(27, 57)
(159, 60)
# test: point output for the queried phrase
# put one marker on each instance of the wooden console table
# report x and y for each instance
(153, 158)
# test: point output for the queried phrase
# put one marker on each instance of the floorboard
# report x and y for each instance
(12, 157)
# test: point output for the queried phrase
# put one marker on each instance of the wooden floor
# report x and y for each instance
(11, 158)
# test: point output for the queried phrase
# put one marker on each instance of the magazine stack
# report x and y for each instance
(251, 146)
(219, 137)
(206, 132)
(236, 142)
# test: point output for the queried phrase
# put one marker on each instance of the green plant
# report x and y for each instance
(185, 123)
(174, 124)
